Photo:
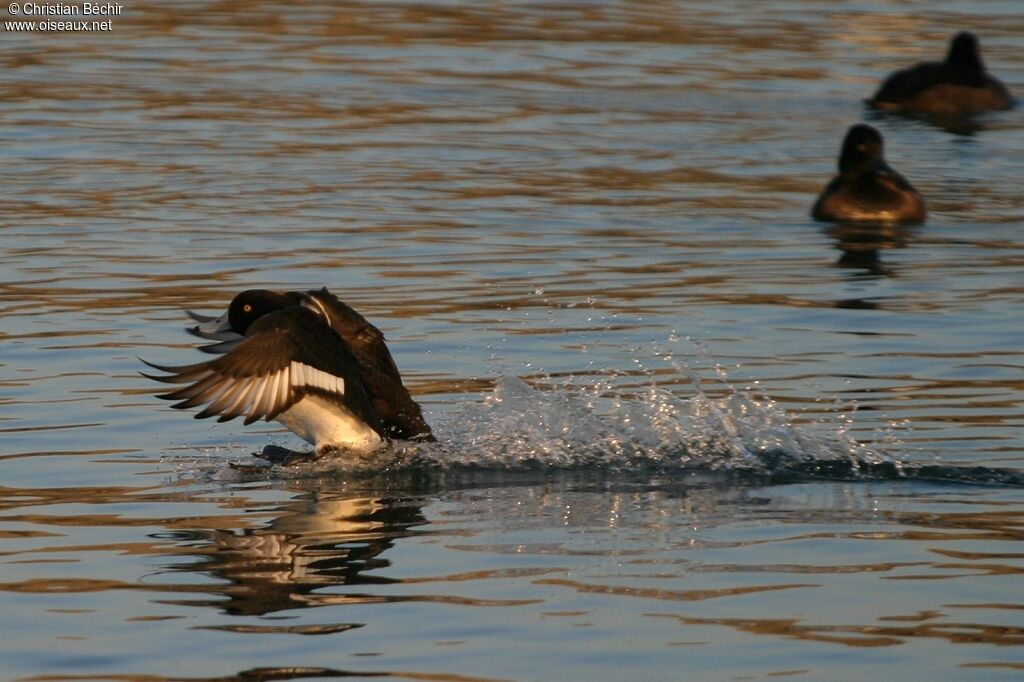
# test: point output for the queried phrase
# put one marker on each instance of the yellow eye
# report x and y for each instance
(247, 307)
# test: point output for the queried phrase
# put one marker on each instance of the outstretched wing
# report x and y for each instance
(270, 370)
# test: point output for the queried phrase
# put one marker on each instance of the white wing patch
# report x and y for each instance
(311, 377)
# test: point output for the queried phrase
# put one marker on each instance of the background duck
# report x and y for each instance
(867, 190)
(957, 86)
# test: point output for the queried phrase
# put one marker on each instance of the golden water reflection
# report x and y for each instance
(318, 541)
(260, 555)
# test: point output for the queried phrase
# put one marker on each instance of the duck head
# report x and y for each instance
(862, 149)
(245, 308)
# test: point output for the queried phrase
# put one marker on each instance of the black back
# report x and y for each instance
(400, 416)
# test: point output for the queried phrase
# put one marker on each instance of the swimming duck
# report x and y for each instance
(867, 190)
(305, 359)
(958, 86)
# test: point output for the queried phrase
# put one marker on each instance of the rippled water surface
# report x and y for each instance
(682, 426)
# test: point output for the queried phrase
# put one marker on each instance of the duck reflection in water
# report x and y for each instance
(861, 247)
(318, 541)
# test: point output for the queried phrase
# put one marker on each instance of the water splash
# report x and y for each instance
(602, 424)
(614, 422)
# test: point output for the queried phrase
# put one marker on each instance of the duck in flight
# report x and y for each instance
(305, 359)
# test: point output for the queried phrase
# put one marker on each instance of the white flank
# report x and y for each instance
(326, 424)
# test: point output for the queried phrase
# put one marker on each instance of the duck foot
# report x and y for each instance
(275, 454)
(259, 470)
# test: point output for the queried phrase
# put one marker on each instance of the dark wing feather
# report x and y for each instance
(181, 373)
(222, 347)
(226, 335)
(201, 319)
